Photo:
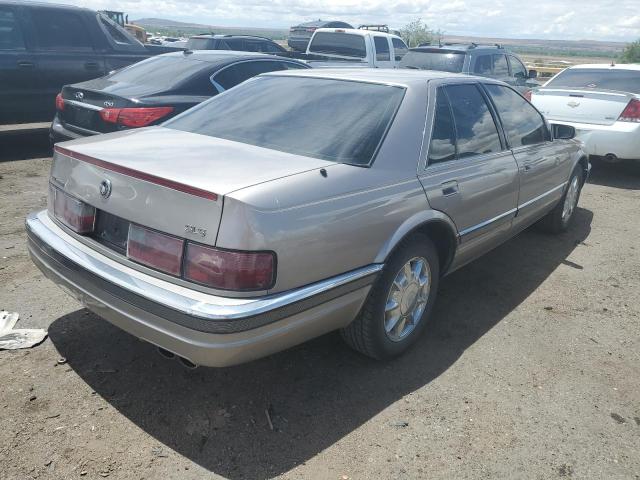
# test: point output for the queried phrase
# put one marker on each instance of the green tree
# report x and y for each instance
(417, 32)
(631, 53)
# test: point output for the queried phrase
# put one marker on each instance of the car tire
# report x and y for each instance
(559, 219)
(371, 333)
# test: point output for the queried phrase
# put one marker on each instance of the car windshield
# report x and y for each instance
(434, 60)
(161, 71)
(598, 79)
(197, 43)
(337, 43)
(335, 120)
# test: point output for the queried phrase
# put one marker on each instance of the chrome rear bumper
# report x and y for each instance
(205, 329)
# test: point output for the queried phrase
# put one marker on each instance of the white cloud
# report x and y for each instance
(569, 19)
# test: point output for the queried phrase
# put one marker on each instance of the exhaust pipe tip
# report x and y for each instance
(187, 363)
(166, 353)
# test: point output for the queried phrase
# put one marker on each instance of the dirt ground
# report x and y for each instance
(531, 369)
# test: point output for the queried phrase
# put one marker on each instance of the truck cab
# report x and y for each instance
(358, 47)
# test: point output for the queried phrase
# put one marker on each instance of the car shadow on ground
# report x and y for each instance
(24, 145)
(315, 393)
(625, 174)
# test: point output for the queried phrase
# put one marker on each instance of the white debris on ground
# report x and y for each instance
(11, 339)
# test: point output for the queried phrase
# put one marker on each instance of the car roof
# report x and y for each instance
(458, 47)
(220, 36)
(319, 23)
(227, 56)
(398, 76)
(608, 66)
(356, 31)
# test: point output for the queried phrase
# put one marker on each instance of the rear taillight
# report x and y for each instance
(134, 117)
(528, 95)
(154, 249)
(59, 102)
(229, 270)
(75, 214)
(631, 112)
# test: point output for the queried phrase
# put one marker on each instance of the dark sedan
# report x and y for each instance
(155, 90)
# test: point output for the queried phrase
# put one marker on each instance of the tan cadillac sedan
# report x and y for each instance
(299, 203)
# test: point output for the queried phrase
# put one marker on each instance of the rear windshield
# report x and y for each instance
(159, 71)
(335, 120)
(198, 44)
(434, 60)
(598, 79)
(336, 43)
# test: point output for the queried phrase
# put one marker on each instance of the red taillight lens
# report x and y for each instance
(154, 249)
(631, 113)
(59, 102)
(110, 115)
(134, 117)
(229, 270)
(528, 94)
(74, 213)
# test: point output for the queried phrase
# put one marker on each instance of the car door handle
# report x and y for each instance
(91, 66)
(25, 64)
(449, 188)
(527, 168)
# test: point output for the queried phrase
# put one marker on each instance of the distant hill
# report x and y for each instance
(175, 28)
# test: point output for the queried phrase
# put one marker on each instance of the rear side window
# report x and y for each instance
(400, 48)
(476, 130)
(500, 66)
(347, 124)
(483, 65)
(382, 49)
(336, 43)
(598, 79)
(443, 136)
(10, 34)
(60, 29)
(234, 44)
(522, 123)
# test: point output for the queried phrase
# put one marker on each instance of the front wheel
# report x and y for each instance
(399, 303)
(559, 219)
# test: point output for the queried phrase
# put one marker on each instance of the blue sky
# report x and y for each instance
(551, 19)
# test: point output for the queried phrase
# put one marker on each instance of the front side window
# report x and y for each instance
(518, 70)
(382, 49)
(118, 34)
(476, 130)
(522, 123)
(400, 48)
(336, 43)
(60, 29)
(347, 124)
(10, 34)
(443, 136)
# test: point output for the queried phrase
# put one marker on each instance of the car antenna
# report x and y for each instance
(613, 62)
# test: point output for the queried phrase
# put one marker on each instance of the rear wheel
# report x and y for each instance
(399, 303)
(559, 219)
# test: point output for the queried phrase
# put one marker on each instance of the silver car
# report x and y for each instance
(299, 203)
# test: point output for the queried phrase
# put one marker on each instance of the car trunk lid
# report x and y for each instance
(581, 105)
(168, 180)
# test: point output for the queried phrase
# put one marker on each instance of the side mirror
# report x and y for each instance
(533, 74)
(563, 132)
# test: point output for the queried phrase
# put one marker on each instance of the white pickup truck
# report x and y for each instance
(345, 47)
